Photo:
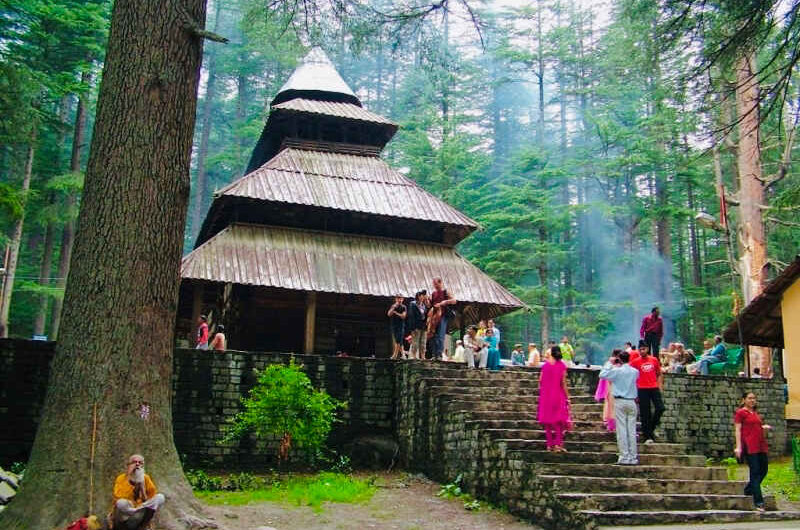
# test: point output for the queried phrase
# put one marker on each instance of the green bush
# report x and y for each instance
(285, 405)
(243, 482)
(199, 480)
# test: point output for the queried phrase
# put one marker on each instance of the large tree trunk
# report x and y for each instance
(201, 179)
(751, 189)
(115, 350)
(68, 232)
(16, 239)
(752, 240)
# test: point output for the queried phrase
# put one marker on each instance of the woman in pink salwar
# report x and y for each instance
(553, 411)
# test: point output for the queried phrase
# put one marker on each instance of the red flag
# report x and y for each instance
(723, 207)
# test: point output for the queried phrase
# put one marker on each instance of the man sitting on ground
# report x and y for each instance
(136, 499)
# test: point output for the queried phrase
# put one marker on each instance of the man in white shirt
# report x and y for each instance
(623, 378)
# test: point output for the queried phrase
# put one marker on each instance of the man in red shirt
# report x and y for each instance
(651, 380)
(652, 330)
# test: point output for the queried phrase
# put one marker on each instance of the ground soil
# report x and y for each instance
(403, 502)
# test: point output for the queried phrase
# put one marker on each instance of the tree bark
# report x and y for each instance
(540, 72)
(751, 190)
(123, 286)
(16, 240)
(201, 179)
(752, 239)
(44, 280)
(68, 232)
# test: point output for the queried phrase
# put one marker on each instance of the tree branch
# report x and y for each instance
(782, 222)
(190, 24)
(786, 159)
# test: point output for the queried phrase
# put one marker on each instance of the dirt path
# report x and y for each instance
(402, 502)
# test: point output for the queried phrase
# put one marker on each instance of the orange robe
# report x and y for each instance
(123, 489)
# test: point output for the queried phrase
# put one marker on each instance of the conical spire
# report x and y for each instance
(316, 78)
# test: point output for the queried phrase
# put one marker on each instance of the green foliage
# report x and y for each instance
(452, 489)
(200, 480)
(310, 491)
(284, 403)
(782, 480)
(732, 466)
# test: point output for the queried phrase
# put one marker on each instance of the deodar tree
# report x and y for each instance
(109, 392)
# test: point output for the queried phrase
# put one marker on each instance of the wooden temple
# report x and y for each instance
(305, 251)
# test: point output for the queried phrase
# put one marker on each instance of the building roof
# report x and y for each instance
(761, 321)
(330, 108)
(316, 78)
(341, 181)
(307, 260)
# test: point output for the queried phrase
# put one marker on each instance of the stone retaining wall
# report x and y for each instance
(24, 369)
(382, 398)
(208, 386)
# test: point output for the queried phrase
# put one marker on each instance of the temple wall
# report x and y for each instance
(380, 399)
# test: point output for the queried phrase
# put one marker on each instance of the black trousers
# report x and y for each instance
(651, 407)
(759, 466)
(653, 342)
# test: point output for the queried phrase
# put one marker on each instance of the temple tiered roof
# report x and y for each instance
(318, 211)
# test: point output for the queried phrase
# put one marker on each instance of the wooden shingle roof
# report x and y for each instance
(311, 260)
(761, 320)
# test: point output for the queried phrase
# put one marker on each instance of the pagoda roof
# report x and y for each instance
(316, 78)
(320, 261)
(329, 108)
(362, 183)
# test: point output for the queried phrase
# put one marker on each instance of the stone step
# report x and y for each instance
(635, 502)
(493, 394)
(600, 435)
(605, 458)
(689, 473)
(487, 392)
(479, 382)
(628, 485)
(461, 371)
(580, 412)
(595, 424)
(627, 518)
(513, 440)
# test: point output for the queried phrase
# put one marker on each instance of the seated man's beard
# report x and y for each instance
(138, 479)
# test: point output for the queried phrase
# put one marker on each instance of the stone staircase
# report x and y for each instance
(482, 426)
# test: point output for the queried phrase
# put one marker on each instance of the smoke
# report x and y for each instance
(632, 278)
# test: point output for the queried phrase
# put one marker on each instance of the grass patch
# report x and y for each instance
(782, 480)
(310, 491)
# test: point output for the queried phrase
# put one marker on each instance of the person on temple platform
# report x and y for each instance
(652, 330)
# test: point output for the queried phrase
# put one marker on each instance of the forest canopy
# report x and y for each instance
(584, 137)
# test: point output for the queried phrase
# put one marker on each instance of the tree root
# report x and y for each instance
(193, 522)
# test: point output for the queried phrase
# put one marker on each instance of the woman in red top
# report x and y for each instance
(751, 444)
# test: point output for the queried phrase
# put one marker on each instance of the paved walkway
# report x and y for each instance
(767, 525)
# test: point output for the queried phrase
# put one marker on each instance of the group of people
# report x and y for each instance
(480, 345)
(422, 323)
(218, 342)
(632, 381)
(680, 360)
